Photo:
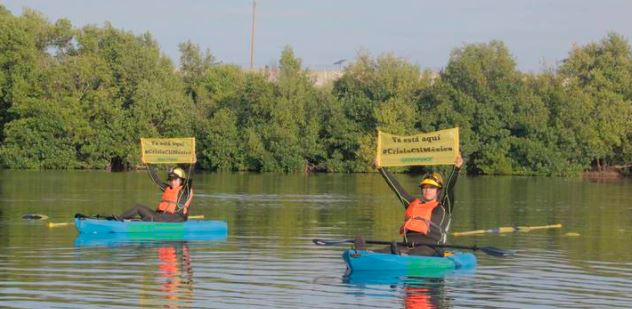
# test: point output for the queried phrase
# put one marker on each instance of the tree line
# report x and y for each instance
(81, 98)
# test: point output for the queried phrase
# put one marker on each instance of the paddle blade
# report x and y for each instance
(497, 252)
(34, 217)
(325, 242)
(469, 233)
(319, 242)
(58, 224)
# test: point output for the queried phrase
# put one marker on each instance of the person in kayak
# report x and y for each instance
(427, 219)
(177, 194)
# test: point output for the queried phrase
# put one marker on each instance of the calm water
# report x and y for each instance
(268, 260)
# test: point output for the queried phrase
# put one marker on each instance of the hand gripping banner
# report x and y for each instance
(168, 150)
(433, 148)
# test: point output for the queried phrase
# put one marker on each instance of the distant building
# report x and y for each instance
(321, 77)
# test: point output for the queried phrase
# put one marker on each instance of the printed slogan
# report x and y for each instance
(434, 148)
(168, 150)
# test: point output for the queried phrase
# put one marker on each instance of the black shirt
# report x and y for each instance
(441, 215)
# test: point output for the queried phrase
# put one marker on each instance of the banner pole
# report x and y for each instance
(378, 155)
(142, 150)
(458, 142)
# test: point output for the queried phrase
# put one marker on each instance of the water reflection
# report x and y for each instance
(416, 290)
(176, 274)
(173, 283)
(419, 296)
(270, 255)
(147, 239)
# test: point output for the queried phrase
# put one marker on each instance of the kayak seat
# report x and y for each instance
(359, 243)
(395, 248)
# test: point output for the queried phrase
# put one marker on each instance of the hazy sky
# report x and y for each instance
(537, 32)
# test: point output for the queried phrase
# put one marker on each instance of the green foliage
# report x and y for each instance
(375, 94)
(219, 138)
(81, 98)
(193, 67)
(603, 73)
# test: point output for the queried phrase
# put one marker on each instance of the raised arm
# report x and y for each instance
(154, 176)
(189, 198)
(402, 195)
(447, 194)
(185, 197)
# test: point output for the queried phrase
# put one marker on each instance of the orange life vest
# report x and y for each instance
(417, 216)
(169, 201)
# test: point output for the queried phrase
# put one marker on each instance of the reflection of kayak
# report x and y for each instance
(145, 239)
(362, 261)
(174, 229)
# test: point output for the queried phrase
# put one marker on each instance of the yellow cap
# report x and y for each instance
(433, 179)
(178, 172)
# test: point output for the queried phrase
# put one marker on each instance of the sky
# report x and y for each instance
(538, 33)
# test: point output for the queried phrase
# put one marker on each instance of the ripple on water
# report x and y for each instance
(262, 272)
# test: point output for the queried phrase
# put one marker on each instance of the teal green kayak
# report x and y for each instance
(175, 229)
(361, 260)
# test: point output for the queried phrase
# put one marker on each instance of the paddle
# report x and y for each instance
(508, 229)
(487, 250)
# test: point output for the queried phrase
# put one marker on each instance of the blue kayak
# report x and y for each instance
(144, 228)
(361, 260)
